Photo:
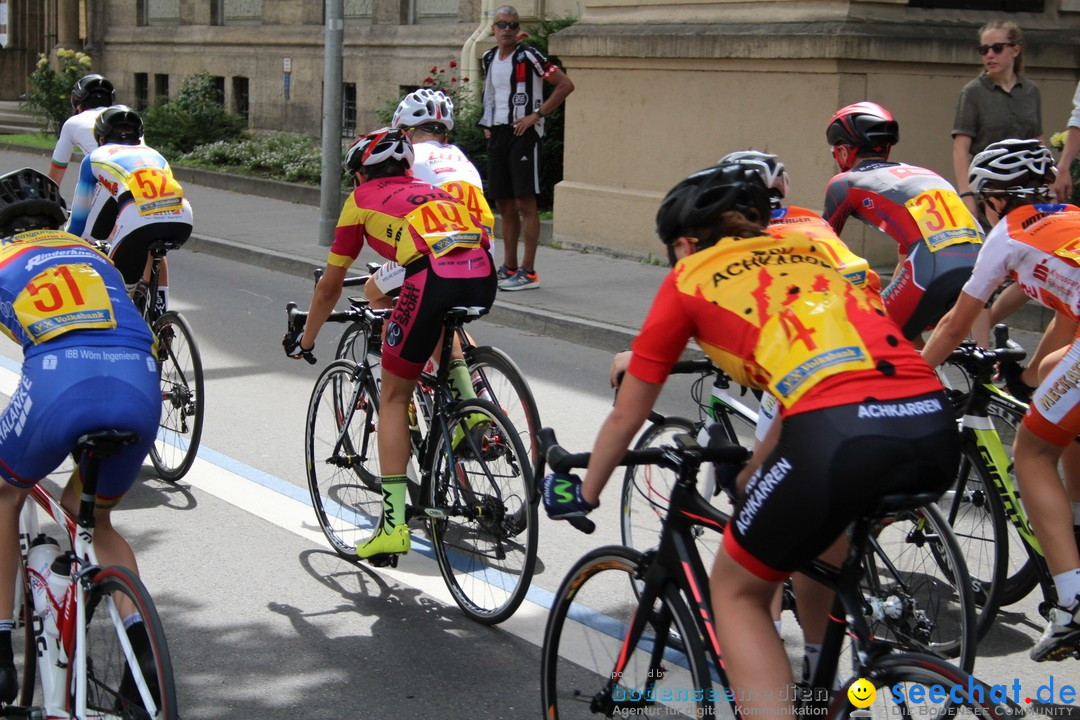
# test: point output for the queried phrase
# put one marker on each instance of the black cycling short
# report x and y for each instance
(417, 320)
(129, 253)
(832, 465)
(927, 286)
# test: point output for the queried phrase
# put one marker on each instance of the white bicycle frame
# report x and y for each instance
(54, 667)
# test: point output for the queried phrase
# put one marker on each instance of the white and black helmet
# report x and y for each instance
(422, 107)
(768, 166)
(377, 147)
(1012, 167)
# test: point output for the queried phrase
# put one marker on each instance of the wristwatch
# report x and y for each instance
(539, 114)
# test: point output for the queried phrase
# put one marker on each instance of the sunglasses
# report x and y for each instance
(996, 47)
(503, 24)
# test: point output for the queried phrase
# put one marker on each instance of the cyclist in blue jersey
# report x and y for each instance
(88, 365)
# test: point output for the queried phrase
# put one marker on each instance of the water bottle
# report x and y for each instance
(44, 551)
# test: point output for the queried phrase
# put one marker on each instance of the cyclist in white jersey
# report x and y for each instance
(1034, 242)
(428, 117)
(150, 203)
(89, 95)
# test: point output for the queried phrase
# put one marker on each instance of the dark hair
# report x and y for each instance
(387, 168)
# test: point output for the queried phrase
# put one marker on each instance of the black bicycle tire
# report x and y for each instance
(625, 560)
(347, 341)
(1017, 584)
(963, 645)
(979, 487)
(895, 669)
(482, 356)
(112, 579)
(166, 470)
(524, 510)
(637, 495)
(361, 384)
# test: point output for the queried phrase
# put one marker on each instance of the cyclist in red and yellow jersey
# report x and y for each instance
(444, 253)
(862, 415)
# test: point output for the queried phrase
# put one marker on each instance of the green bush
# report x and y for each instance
(289, 158)
(49, 96)
(196, 117)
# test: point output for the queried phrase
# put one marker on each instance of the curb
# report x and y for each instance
(579, 331)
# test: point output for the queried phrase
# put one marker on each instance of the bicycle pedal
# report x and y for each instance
(386, 560)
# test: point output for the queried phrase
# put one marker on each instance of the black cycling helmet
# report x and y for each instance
(1018, 168)
(698, 201)
(118, 124)
(28, 193)
(864, 125)
(377, 147)
(92, 91)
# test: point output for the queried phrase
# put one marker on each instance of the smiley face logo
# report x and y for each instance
(861, 693)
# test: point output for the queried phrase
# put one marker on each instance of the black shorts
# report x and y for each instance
(513, 163)
(129, 253)
(927, 286)
(832, 465)
(417, 321)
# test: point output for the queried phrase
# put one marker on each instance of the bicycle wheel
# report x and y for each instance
(646, 489)
(481, 517)
(1021, 575)
(973, 510)
(341, 455)
(904, 686)
(915, 583)
(112, 686)
(497, 379)
(665, 673)
(182, 398)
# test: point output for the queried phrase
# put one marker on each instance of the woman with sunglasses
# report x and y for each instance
(997, 105)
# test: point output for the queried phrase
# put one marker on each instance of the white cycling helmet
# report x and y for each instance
(378, 147)
(768, 166)
(1012, 167)
(424, 106)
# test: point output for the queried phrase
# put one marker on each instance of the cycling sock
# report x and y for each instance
(131, 620)
(393, 490)
(1068, 586)
(461, 380)
(779, 625)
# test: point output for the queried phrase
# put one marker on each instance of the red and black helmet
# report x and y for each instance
(863, 125)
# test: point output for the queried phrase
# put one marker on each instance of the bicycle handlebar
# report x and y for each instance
(562, 460)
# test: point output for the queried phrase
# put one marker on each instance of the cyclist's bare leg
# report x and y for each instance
(11, 502)
(393, 430)
(814, 600)
(757, 665)
(1046, 500)
(530, 229)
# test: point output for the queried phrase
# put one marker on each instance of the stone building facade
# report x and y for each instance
(663, 87)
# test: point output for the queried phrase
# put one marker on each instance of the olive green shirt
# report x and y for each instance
(987, 113)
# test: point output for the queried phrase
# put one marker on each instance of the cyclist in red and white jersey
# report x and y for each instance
(858, 404)
(937, 237)
(1038, 245)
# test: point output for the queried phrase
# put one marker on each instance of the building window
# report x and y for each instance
(239, 12)
(158, 12)
(142, 91)
(241, 98)
(161, 88)
(432, 12)
(986, 5)
(348, 110)
(357, 12)
(219, 88)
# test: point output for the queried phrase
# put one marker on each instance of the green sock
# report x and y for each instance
(393, 490)
(461, 380)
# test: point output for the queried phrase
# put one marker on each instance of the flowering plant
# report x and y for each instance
(447, 81)
(49, 96)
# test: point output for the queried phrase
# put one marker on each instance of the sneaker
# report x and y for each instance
(395, 542)
(505, 273)
(521, 280)
(1061, 639)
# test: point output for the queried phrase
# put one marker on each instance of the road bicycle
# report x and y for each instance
(470, 478)
(182, 382)
(985, 507)
(913, 599)
(496, 377)
(631, 633)
(75, 648)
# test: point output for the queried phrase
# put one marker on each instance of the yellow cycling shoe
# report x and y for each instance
(394, 542)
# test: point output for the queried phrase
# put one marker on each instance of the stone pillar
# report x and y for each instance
(67, 24)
